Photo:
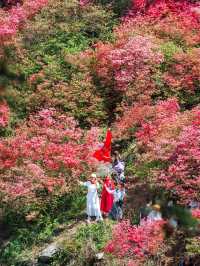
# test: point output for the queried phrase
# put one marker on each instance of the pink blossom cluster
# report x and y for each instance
(126, 59)
(127, 66)
(182, 175)
(48, 150)
(196, 213)
(131, 58)
(166, 18)
(136, 242)
(143, 115)
(156, 9)
(84, 2)
(4, 114)
(11, 20)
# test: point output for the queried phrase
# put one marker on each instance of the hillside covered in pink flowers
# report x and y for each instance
(69, 70)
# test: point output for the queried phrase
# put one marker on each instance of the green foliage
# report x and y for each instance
(119, 6)
(184, 217)
(143, 170)
(193, 246)
(190, 100)
(98, 233)
(169, 49)
(135, 218)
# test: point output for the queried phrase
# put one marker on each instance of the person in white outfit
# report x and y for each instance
(155, 214)
(93, 203)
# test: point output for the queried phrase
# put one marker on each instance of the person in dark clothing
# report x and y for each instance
(144, 211)
(119, 193)
(118, 168)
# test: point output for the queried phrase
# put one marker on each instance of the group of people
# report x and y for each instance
(152, 212)
(108, 202)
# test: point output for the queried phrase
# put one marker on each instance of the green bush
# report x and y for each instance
(119, 6)
(98, 233)
(193, 246)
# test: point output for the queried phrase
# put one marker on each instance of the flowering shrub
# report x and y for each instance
(127, 60)
(4, 115)
(120, 7)
(47, 151)
(178, 20)
(125, 69)
(183, 73)
(165, 134)
(182, 175)
(135, 69)
(136, 242)
(13, 19)
(139, 115)
(73, 97)
(48, 65)
(196, 213)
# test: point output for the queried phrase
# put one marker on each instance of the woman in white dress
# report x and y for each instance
(93, 203)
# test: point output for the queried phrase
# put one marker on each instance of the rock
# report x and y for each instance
(48, 253)
(32, 216)
(57, 231)
(99, 256)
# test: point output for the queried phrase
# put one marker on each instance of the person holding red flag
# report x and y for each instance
(104, 154)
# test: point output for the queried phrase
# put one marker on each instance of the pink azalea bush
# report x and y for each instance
(196, 213)
(125, 69)
(182, 175)
(47, 151)
(177, 20)
(136, 242)
(126, 60)
(11, 20)
(183, 73)
(4, 114)
(140, 114)
(165, 134)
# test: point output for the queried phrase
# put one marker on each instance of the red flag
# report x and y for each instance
(104, 154)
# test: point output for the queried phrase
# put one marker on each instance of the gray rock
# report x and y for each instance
(48, 253)
(100, 256)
